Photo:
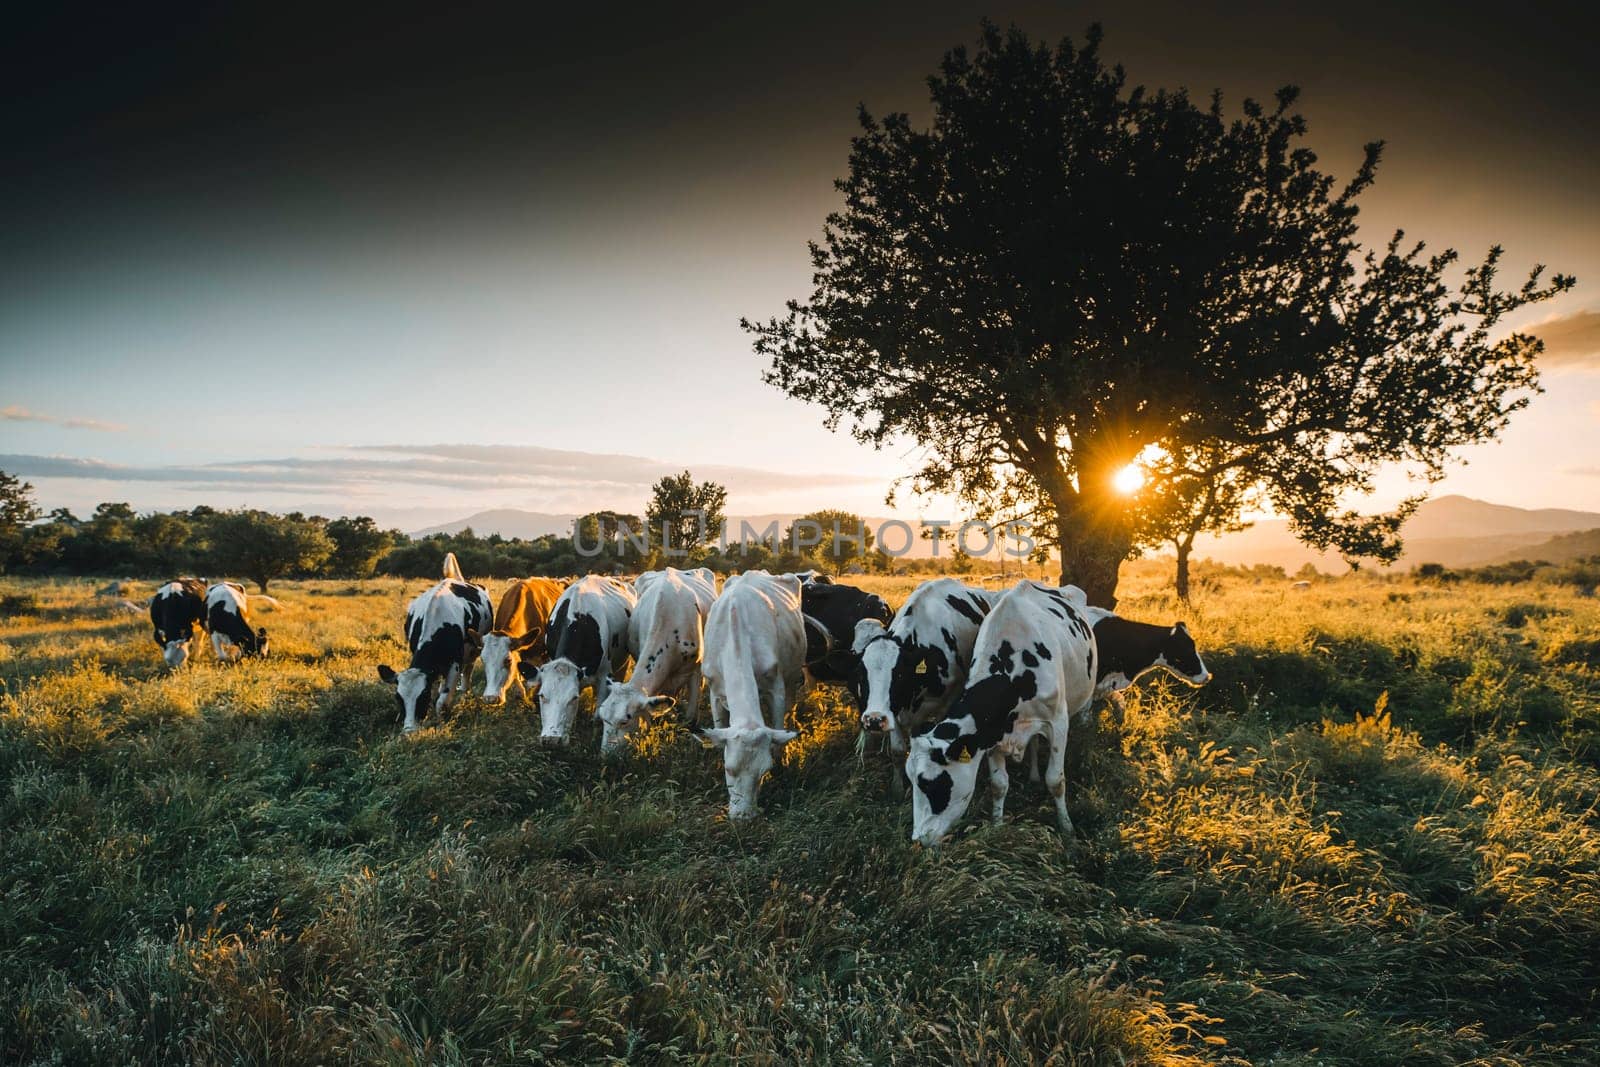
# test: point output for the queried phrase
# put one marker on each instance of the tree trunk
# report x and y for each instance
(262, 583)
(1181, 580)
(1091, 556)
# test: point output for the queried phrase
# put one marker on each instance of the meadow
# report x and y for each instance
(1372, 839)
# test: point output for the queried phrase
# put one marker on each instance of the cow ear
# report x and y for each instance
(781, 737)
(1181, 627)
(525, 641)
(387, 674)
(866, 630)
(661, 703)
(715, 737)
(261, 634)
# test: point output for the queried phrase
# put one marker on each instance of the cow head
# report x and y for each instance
(258, 647)
(560, 687)
(411, 689)
(501, 657)
(625, 707)
(877, 652)
(943, 769)
(747, 753)
(1179, 655)
(176, 650)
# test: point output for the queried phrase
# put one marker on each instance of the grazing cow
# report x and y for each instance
(910, 671)
(233, 635)
(442, 630)
(665, 633)
(588, 643)
(754, 666)
(1128, 649)
(175, 611)
(1033, 669)
(516, 645)
(831, 613)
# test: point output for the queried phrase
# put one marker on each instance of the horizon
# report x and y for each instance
(352, 295)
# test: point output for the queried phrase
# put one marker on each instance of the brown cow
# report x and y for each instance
(517, 640)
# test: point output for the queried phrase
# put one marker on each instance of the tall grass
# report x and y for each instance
(1371, 840)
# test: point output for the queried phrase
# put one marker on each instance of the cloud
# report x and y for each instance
(1570, 340)
(16, 413)
(608, 468)
(542, 473)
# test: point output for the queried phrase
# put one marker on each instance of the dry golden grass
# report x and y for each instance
(1371, 840)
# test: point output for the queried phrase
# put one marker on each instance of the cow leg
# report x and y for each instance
(692, 697)
(999, 783)
(1035, 771)
(447, 691)
(1056, 775)
(1119, 707)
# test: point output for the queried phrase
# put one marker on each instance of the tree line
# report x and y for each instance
(261, 546)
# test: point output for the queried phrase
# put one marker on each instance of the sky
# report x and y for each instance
(453, 259)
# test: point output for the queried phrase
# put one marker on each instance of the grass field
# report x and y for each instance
(1373, 839)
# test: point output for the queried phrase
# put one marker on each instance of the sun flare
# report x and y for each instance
(1129, 479)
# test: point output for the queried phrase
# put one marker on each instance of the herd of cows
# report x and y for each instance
(958, 677)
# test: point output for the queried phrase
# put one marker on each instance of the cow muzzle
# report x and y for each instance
(875, 723)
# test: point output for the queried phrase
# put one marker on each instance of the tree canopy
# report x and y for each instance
(262, 546)
(1063, 271)
(674, 500)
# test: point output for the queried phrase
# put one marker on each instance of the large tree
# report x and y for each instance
(690, 513)
(17, 510)
(262, 546)
(358, 544)
(844, 536)
(1063, 271)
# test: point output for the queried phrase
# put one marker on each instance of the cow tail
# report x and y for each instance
(452, 569)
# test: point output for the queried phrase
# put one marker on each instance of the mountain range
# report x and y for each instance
(1456, 531)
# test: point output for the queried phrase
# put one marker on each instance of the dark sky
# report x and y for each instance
(449, 111)
(356, 200)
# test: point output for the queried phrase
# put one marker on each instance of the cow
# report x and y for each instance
(443, 628)
(665, 633)
(754, 666)
(1128, 649)
(516, 645)
(233, 635)
(910, 671)
(831, 613)
(177, 609)
(1034, 668)
(588, 644)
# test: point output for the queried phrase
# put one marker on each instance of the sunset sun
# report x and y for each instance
(1129, 480)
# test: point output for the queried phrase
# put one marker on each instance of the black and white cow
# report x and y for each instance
(175, 611)
(233, 635)
(910, 671)
(1128, 649)
(443, 630)
(1033, 669)
(754, 666)
(665, 631)
(831, 613)
(588, 643)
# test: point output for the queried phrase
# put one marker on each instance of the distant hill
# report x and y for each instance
(513, 522)
(1561, 549)
(1456, 531)
(507, 522)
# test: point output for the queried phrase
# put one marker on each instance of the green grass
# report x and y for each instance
(1373, 839)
